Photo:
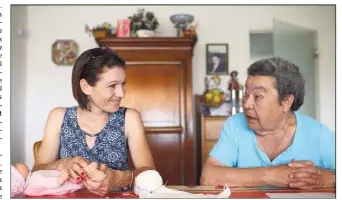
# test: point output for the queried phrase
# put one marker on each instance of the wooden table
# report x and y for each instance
(236, 192)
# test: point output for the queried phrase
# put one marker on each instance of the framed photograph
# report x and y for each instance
(217, 59)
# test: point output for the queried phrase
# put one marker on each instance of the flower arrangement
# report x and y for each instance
(101, 31)
(213, 95)
(143, 21)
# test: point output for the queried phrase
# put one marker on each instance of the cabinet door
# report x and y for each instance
(156, 90)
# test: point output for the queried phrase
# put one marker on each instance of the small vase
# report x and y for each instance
(145, 33)
(100, 33)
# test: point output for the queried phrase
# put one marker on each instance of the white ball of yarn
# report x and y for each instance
(147, 182)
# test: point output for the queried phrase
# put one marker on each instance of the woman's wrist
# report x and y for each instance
(122, 179)
(128, 181)
(329, 178)
(264, 175)
(60, 165)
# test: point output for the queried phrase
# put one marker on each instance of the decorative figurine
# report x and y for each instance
(234, 83)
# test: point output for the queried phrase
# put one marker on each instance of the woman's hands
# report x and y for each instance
(278, 175)
(74, 166)
(305, 175)
(113, 179)
(100, 187)
(300, 175)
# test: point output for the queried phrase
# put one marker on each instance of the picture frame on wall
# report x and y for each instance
(64, 52)
(217, 59)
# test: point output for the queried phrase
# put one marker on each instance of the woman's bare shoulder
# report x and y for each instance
(132, 114)
(57, 113)
(133, 122)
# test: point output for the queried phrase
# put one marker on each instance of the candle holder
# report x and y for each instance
(236, 100)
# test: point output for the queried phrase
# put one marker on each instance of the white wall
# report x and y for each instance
(47, 85)
(18, 84)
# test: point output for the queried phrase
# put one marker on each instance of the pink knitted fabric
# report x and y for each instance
(46, 182)
(17, 182)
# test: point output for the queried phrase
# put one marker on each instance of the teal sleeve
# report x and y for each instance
(226, 148)
(327, 148)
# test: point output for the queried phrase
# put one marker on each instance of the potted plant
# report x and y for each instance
(143, 24)
(102, 31)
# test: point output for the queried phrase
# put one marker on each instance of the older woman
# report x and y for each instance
(271, 143)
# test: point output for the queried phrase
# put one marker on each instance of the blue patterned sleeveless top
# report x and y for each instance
(110, 146)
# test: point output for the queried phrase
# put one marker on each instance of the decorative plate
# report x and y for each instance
(64, 52)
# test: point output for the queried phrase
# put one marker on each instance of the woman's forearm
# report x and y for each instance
(121, 179)
(49, 166)
(127, 178)
(233, 177)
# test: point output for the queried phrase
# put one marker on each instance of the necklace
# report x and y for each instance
(90, 134)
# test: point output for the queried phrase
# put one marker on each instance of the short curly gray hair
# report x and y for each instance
(288, 79)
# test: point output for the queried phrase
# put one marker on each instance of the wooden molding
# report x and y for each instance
(157, 42)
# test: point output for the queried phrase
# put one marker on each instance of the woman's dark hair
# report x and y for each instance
(89, 65)
(288, 79)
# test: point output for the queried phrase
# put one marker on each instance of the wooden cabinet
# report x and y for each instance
(159, 86)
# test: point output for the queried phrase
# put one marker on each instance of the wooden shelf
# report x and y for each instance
(156, 42)
(154, 49)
